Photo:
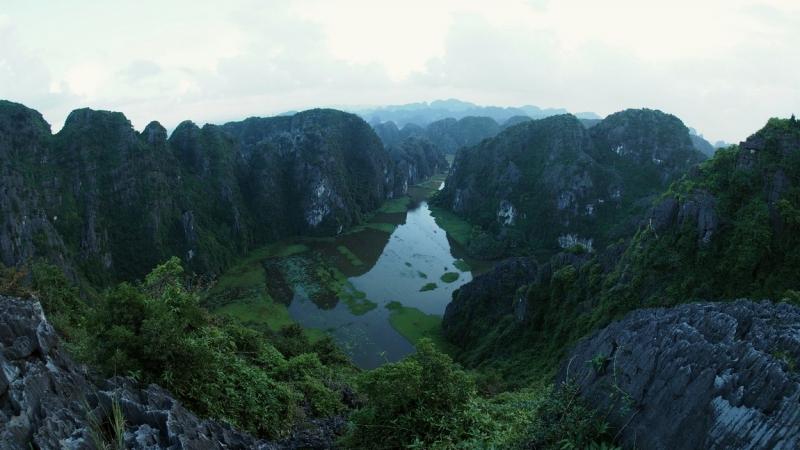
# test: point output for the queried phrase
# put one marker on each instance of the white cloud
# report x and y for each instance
(722, 66)
(87, 78)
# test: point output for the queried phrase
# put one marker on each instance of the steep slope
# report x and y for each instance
(697, 376)
(645, 145)
(114, 202)
(113, 194)
(703, 145)
(417, 159)
(332, 163)
(26, 158)
(551, 182)
(726, 230)
(449, 134)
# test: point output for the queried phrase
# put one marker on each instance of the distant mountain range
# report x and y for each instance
(454, 123)
(423, 113)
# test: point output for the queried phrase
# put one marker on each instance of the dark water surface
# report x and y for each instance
(395, 269)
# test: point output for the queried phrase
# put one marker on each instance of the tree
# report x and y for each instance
(425, 398)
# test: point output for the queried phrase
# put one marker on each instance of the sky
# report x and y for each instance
(724, 67)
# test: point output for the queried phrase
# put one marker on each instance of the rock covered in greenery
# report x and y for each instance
(645, 146)
(112, 202)
(703, 145)
(554, 180)
(478, 306)
(26, 227)
(696, 376)
(48, 401)
(727, 229)
(417, 159)
(448, 134)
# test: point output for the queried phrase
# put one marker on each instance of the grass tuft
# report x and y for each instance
(428, 287)
(450, 277)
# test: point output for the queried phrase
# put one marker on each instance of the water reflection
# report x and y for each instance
(395, 268)
(417, 253)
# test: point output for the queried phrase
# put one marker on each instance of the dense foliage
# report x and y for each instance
(108, 203)
(726, 230)
(262, 381)
(546, 183)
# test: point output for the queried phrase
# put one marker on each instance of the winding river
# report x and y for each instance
(417, 253)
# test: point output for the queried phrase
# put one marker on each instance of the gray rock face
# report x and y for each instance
(47, 401)
(99, 192)
(697, 376)
(698, 211)
(491, 297)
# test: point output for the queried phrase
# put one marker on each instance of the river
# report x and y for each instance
(417, 252)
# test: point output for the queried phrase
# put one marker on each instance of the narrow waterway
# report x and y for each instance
(416, 254)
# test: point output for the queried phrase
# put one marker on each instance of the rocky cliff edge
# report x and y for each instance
(696, 376)
(47, 401)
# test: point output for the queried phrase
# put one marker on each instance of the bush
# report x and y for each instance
(424, 399)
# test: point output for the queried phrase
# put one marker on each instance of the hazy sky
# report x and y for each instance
(722, 66)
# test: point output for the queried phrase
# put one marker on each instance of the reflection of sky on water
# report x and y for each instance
(417, 246)
(367, 339)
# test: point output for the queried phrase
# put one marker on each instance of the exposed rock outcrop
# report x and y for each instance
(697, 376)
(480, 304)
(48, 401)
(114, 203)
(553, 178)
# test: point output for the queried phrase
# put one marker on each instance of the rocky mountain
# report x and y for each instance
(48, 401)
(553, 182)
(725, 230)
(703, 145)
(721, 144)
(417, 159)
(111, 202)
(697, 376)
(449, 134)
(423, 113)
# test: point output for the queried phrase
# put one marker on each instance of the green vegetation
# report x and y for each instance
(258, 380)
(261, 311)
(449, 277)
(380, 226)
(457, 228)
(156, 332)
(428, 287)
(422, 275)
(752, 251)
(230, 351)
(435, 181)
(462, 265)
(426, 401)
(414, 325)
(356, 301)
(394, 206)
(107, 428)
(521, 188)
(350, 256)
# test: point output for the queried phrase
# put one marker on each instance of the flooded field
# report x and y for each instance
(397, 272)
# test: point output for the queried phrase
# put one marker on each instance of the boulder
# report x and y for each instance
(696, 376)
(48, 401)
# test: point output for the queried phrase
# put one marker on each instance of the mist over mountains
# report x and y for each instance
(423, 113)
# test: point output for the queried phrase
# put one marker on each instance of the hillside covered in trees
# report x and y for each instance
(119, 235)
